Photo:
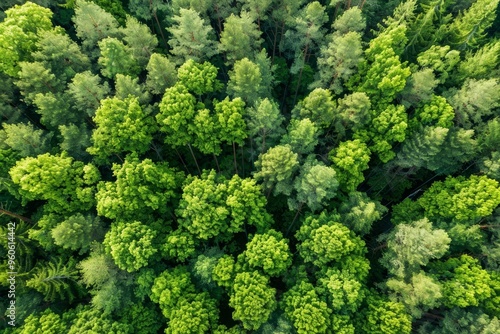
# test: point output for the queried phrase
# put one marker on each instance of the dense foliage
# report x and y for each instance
(241, 166)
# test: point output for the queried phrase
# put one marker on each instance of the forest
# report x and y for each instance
(250, 166)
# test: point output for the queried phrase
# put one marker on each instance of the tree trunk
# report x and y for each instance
(15, 215)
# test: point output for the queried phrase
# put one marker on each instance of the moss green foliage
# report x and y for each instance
(250, 166)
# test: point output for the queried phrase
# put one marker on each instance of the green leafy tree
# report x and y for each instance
(125, 86)
(46, 322)
(75, 140)
(464, 321)
(91, 320)
(62, 55)
(469, 29)
(460, 198)
(192, 38)
(77, 232)
(252, 299)
(464, 282)
(140, 41)
(55, 109)
(240, 37)
(116, 58)
(383, 316)
(66, 184)
(87, 92)
(475, 101)
(198, 78)
(318, 106)
(338, 61)
(161, 73)
(35, 78)
(441, 59)
(419, 88)
(122, 126)
(359, 212)
(92, 25)
(177, 110)
(25, 140)
(307, 312)
(325, 241)
(343, 292)
(350, 159)
(419, 294)
(352, 114)
(316, 185)
(264, 123)
(269, 252)
(480, 64)
(410, 246)
(141, 187)
(302, 136)
(19, 34)
(130, 244)
(275, 169)
(245, 81)
(56, 280)
(437, 111)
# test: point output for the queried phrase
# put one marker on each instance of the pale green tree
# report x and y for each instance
(116, 58)
(140, 41)
(161, 73)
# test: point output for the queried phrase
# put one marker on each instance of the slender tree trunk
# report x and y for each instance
(216, 162)
(15, 215)
(300, 73)
(362, 4)
(242, 161)
(160, 29)
(294, 218)
(234, 156)
(384, 245)
(182, 160)
(194, 158)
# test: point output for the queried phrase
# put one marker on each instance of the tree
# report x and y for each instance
(66, 184)
(140, 41)
(463, 321)
(75, 140)
(116, 58)
(125, 86)
(325, 241)
(192, 38)
(315, 186)
(382, 317)
(303, 306)
(352, 114)
(410, 246)
(19, 34)
(130, 244)
(240, 38)
(350, 159)
(359, 212)
(302, 136)
(87, 92)
(461, 199)
(93, 24)
(56, 280)
(475, 101)
(268, 252)
(25, 139)
(161, 74)
(252, 299)
(46, 322)
(343, 292)
(34, 78)
(318, 106)
(141, 188)
(55, 109)
(62, 55)
(88, 319)
(420, 294)
(338, 61)
(464, 282)
(177, 110)
(441, 59)
(264, 123)
(420, 88)
(275, 169)
(198, 78)
(245, 81)
(468, 30)
(436, 112)
(122, 126)
(77, 232)
(480, 64)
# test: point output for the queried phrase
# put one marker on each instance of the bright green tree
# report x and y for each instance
(131, 244)
(252, 299)
(77, 232)
(122, 126)
(383, 317)
(275, 169)
(410, 246)
(198, 78)
(245, 82)
(116, 58)
(46, 322)
(302, 136)
(141, 188)
(192, 38)
(264, 123)
(350, 159)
